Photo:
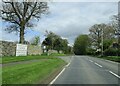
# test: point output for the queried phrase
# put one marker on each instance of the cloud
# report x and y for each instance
(69, 19)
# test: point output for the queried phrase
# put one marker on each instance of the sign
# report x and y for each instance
(21, 50)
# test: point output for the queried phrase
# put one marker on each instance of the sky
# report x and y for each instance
(68, 19)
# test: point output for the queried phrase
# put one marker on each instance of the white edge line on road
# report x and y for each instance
(60, 73)
(57, 76)
(90, 60)
(114, 74)
(98, 64)
(68, 64)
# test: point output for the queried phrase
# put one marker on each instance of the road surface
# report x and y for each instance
(88, 70)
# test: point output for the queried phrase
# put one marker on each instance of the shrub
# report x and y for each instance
(119, 51)
(111, 52)
(90, 51)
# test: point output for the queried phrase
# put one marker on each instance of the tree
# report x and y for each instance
(51, 38)
(116, 25)
(47, 42)
(107, 43)
(65, 47)
(55, 42)
(21, 14)
(81, 44)
(35, 40)
(57, 45)
(96, 34)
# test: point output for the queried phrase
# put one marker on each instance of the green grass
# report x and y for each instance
(0, 59)
(57, 54)
(0, 72)
(32, 73)
(8, 59)
(112, 58)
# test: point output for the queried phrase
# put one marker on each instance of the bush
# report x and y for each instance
(119, 52)
(90, 51)
(111, 52)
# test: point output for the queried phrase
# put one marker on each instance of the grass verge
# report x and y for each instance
(57, 54)
(32, 73)
(112, 58)
(8, 59)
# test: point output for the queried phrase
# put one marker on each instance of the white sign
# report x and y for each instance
(21, 50)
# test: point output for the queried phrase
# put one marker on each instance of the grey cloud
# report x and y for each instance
(71, 19)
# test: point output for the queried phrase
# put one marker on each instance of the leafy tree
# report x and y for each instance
(57, 45)
(21, 15)
(51, 38)
(65, 47)
(81, 44)
(69, 50)
(54, 41)
(116, 25)
(47, 42)
(96, 34)
(35, 40)
(107, 43)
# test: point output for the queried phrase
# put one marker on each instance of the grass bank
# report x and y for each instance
(32, 73)
(112, 58)
(8, 59)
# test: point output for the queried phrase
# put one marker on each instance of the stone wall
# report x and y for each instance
(9, 49)
(34, 50)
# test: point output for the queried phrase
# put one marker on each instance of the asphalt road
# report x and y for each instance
(88, 70)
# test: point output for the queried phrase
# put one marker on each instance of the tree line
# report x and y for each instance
(55, 42)
(102, 39)
(22, 15)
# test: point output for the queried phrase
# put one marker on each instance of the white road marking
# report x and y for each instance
(60, 72)
(114, 74)
(57, 76)
(90, 60)
(68, 64)
(98, 64)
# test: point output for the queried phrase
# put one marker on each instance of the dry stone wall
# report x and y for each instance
(9, 49)
(34, 50)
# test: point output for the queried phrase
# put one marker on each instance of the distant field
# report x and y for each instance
(31, 73)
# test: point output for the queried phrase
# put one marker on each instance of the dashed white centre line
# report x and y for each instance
(114, 74)
(98, 64)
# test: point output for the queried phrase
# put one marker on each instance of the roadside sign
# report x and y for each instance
(21, 50)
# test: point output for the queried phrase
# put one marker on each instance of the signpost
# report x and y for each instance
(21, 50)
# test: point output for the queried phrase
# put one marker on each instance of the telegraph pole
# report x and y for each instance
(102, 42)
